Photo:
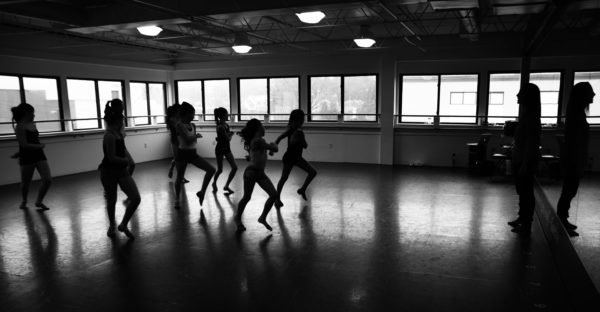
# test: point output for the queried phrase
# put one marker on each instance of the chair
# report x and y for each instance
(478, 154)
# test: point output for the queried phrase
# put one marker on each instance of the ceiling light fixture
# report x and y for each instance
(241, 48)
(312, 17)
(151, 31)
(365, 40)
(241, 44)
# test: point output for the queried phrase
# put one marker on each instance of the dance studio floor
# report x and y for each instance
(369, 238)
(585, 213)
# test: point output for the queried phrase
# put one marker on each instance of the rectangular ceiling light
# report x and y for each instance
(454, 5)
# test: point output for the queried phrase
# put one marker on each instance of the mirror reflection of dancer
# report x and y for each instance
(172, 120)
(223, 149)
(293, 155)
(526, 154)
(257, 147)
(188, 139)
(116, 169)
(576, 149)
(31, 154)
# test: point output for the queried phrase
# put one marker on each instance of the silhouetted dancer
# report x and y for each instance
(31, 154)
(575, 153)
(257, 147)
(172, 119)
(293, 155)
(223, 149)
(526, 154)
(116, 168)
(188, 139)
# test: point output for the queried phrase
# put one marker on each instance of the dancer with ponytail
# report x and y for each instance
(116, 169)
(172, 120)
(293, 155)
(257, 147)
(31, 154)
(188, 139)
(223, 149)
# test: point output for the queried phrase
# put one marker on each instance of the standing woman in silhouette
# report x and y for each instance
(526, 154)
(116, 169)
(257, 147)
(31, 154)
(293, 155)
(188, 140)
(172, 120)
(576, 149)
(223, 149)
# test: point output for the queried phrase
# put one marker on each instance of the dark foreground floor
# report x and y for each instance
(370, 238)
(585, 212)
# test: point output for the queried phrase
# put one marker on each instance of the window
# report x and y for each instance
(549, 84)
(594, 79)
(191, 92)
(425, 96)
(502, 100)
(458, 84)
(87, 99)
(10, 96)
(42, 94)
(360, 97)
(419, 97)
(275, 97)
(353, 96)
(83, 103)
(216, 94)
(147, 99)
(204, 95)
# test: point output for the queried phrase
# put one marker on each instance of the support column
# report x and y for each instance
(388, 80)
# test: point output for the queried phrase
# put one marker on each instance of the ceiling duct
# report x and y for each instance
(466, 11)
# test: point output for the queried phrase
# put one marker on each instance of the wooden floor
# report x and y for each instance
(369, 238)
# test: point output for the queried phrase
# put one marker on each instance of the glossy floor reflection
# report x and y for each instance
(370, 238)
(585, 213)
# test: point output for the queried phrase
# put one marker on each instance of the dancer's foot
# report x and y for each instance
(515, 223)
(23, 206)
(184, 180)
(568, 225)
(215, 188)
(572, 233)
(240, 226)
(15, 155)
(123, 229)
(523, 229)
(111, 231)
(263, 221)
(41, 207)
(177, 205)
(302, 193)
(278, 204)
(227, 190)
(200, 195)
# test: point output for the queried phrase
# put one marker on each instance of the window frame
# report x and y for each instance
(268, 78)
(342, 99)
(489, 74)
(176, 91)
(164, 85)
(439, 84)
(98, 104)
(24, 100)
